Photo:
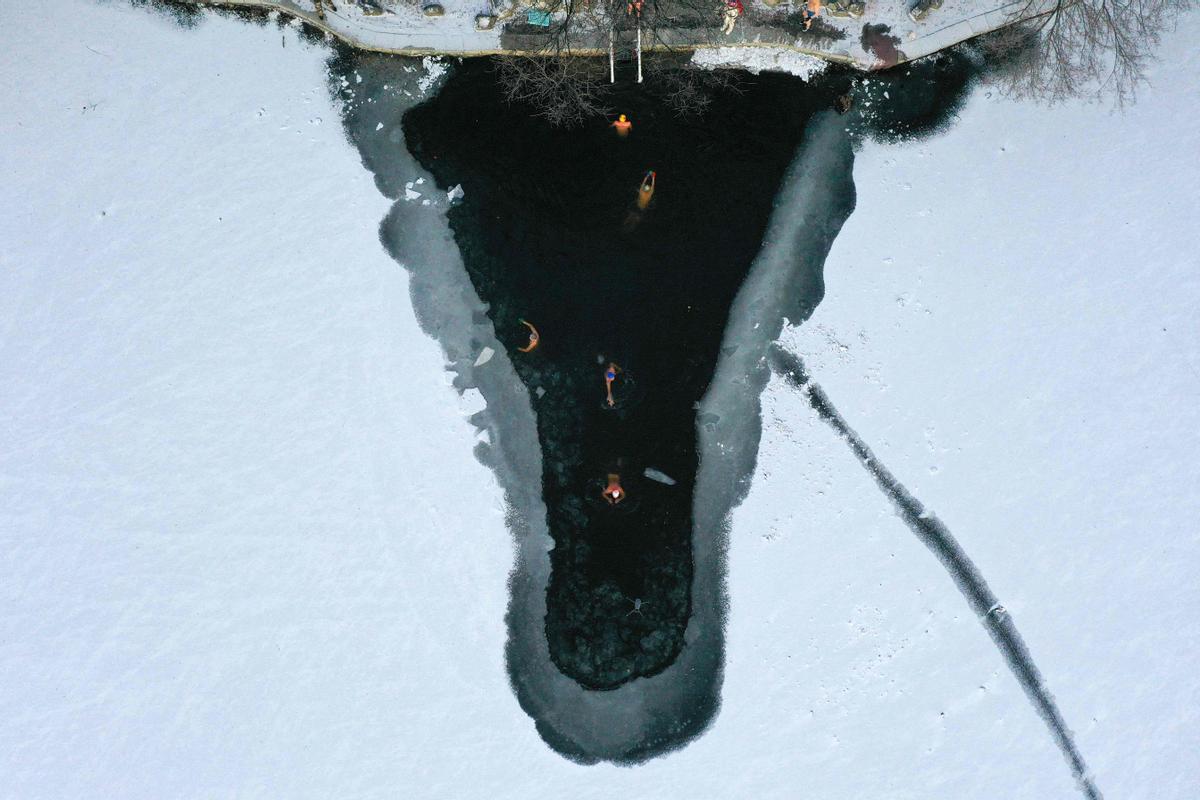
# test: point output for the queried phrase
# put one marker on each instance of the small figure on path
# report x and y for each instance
(623, 126)
(810, 12)
(634, 7)
(534, 338)
(733, 10)
(613, 493)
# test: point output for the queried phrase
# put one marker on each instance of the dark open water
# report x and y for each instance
(550, 232)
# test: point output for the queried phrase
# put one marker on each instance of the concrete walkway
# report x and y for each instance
(405, 30)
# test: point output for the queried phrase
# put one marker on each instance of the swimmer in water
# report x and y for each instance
(534, 338)
(623, 126)
(613, 493)
(646, 190)
(610, 375)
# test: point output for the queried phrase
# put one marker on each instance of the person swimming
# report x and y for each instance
(623, 126)
(646, 190)
(613, 492)
(534, 338)
(610, 375)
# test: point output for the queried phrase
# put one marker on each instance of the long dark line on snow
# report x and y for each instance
(937, 537)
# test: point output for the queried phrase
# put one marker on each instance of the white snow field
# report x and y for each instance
(1010, 322)
(248, 553)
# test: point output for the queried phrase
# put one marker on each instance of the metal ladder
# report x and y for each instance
(612, 57)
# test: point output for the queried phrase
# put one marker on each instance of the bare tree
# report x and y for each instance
(565, 81)
(558, 74)
(1080, 47)
(686, 89)
(564, 90)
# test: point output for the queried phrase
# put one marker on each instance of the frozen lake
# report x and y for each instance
(259, 489)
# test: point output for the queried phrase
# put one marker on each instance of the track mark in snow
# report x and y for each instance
(937, 537)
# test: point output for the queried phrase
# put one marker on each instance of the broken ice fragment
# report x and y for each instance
(456, 193)
(485, 355)
(656, 475)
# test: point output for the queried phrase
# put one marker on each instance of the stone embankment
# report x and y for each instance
(868, 34)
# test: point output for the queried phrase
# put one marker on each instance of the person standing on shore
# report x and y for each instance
(810, 12)
(733, 10)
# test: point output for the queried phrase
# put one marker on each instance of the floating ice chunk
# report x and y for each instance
(455, 193)
(435, 68)
(420, 181)
(379, 126)
(540, 392)
(409, 194)
(472, 401)
(657, 475)
(485, 355)
(755, 60)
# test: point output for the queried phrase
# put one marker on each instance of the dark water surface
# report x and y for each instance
(550, 232)
(616, 615)
(688, 296)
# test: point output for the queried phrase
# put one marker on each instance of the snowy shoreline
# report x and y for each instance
(404, 30)
(253, 555)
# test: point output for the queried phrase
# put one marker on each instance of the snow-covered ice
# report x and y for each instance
(759, 59)
(1010, 323)
(249, 551)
